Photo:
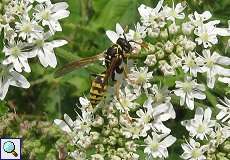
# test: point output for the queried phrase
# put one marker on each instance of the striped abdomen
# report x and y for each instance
(98, 89)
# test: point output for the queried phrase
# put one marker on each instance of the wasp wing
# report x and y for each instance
(111, 68)
(77, 64)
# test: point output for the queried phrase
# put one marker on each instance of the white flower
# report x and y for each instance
(45, 50)
(49, 14)
(17, 53)
(83, 123)
(193, 150)
(133, 130)
(220, 134)
(10, 77)
(144, 118)
(152, 17)
(159, 104)
(125, 102)
(140, 77)
(175, 12)
(192, 63)
(212, 65)
(156, 146)
(188, 90)
(201, 125)
(224, 114)
(207, 34)
(198, 19)
(28, 29)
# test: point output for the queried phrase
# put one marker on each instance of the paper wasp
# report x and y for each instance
(114, 57)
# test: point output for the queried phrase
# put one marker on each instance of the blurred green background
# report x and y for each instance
(48, 97)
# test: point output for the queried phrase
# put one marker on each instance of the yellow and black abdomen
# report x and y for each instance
(98, 89)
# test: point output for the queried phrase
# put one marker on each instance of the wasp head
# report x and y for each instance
(125, 45)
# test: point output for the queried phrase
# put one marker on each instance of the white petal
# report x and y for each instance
(51, 58)
(206, 15)
(60, 6)
(159, 5)
(60, 14)
(168, 141)
(223, 60)
(119, 30)
(19, 80)
(221, 115)
(68, 120)
(112, 36)
(207, 114)
(4, 86)
(57, 43)
(199, 114)
(63, 126)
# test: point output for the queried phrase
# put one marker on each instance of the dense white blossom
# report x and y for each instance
(25, 35)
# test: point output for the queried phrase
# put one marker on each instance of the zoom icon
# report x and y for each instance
(10, 148)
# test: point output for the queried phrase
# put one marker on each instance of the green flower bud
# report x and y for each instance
(164, 34)
(160, 54)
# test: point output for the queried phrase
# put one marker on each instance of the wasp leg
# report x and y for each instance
(117, 88)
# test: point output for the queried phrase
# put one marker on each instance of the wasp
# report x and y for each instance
(114, 57)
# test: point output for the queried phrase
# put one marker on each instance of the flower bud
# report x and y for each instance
(175, 60)
(150, 60)
(160, 54)
(164, 34)
(187, 28)
(112, 140)
(94, 136)
(153, 32)
(168, 47)
(151, 48)
(189, 45)
(121, 152)
(166, 68)
(173, 28)
(98, 121)
(131, 146)
(114, 157)
(113, 121)
(105, 131)
(97, 157)
(120, 141)
(179, 51)
(100, 148)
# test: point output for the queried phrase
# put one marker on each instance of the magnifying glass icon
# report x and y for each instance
(9, 147)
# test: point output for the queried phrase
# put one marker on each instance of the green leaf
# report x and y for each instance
(3, 109)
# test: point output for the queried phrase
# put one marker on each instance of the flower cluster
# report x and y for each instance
(28, 27)
(179, 67)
